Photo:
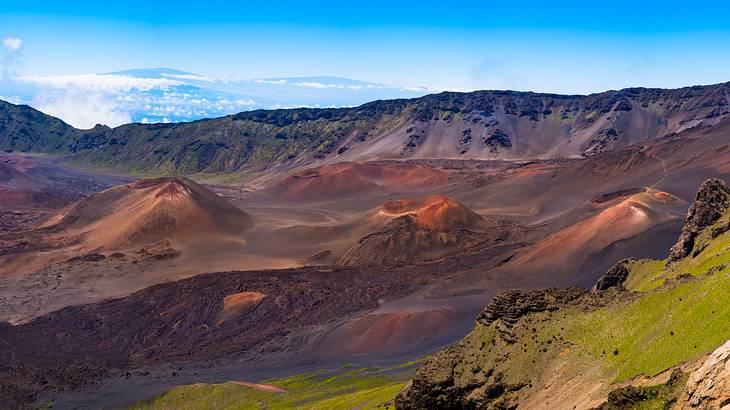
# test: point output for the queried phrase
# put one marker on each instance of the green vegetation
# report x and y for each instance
(646, 275)
(362, 388)
(561, 114)
(658, 330)
(669, 316)
(252, 140)
(657, 397)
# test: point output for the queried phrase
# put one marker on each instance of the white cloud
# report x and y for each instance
(82, 110)
(261, 81)
(100, 83)
(194, 77)
(10, 58)
(310, 84)
(13, 44)
(423, 89)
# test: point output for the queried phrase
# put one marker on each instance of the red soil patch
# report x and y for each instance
(269, 388)
(348, 179)
(171, 189)
(436, 212)
(663, 197)
(151, 182)
(11, 174)
(36, 199)
(626, 215)
(237, 304)
(377, 332)
(12, 197)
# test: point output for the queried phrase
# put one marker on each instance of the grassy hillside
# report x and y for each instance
(564, 347)
(361, 388)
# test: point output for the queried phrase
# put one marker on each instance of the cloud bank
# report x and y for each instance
(12, 44)
(82, 110)
(167, 95)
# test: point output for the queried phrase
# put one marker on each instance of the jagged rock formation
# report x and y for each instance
(435, 388)
(510, 305)
(601, 142)
(498, 141)
(615, 276)
(439, 384)
(631, 396)
(708, 387)
(712, 200)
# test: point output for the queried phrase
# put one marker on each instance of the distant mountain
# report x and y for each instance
(478, 125)
(170, 95)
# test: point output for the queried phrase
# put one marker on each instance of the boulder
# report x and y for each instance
(708, 387)
(615, 276)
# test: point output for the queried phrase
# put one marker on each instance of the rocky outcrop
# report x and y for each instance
(631, 396)
(601, 142)
(708, 387)
(615, 276)
(498, 141)
(455, 379)
(712, 201)
(509, 306)
(433, 388)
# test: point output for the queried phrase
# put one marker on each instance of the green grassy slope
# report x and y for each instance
(362, 388)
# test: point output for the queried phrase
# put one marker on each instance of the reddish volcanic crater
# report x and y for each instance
(434, 212)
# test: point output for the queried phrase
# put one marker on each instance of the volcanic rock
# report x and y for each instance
(615, 276)
(509, 306)
(712, 201)
(708, 387)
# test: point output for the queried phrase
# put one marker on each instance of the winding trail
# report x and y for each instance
(664, 171)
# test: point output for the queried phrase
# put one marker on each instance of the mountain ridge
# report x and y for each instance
(511, 125)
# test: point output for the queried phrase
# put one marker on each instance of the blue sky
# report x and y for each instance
(566, 46)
